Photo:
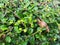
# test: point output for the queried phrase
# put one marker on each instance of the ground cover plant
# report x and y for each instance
(29, 22)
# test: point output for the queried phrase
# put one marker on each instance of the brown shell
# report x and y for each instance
(43, 24)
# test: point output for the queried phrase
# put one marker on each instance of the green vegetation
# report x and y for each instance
(18, 22)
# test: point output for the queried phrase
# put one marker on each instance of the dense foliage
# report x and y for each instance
(18, 22)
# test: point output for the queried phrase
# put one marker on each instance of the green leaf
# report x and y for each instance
(4, 1)
(1, 15)
(3, 27)
(16, 29)
(4, 20)
(24, 42)
(37, 36)
(8, 39)
(32, 40)
(30, 31)
(3, 43)
(1, 5)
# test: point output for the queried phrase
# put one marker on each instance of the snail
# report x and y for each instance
(42, 24)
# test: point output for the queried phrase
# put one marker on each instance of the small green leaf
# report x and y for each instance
(30, 31)
(16, 29)
(24, 42)
(32, 40)
(8, 39)
(3, 27)
(1, 5)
